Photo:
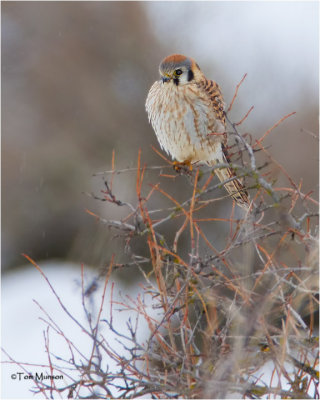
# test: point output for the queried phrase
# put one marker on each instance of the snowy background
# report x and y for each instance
(74, 81)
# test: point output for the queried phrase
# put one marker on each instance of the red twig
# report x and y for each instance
(258, 142)
(236, 92)
(161, 155)
(245, 117)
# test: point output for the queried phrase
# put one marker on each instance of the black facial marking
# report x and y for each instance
(176, 81)
(190, 75)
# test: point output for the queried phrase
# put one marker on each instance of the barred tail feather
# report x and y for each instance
(235, 188)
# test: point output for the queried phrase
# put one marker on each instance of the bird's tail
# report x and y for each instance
(235, 187)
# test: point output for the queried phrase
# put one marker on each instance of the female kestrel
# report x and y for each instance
(187, 114)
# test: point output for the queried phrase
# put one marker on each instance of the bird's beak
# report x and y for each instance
(166, 78)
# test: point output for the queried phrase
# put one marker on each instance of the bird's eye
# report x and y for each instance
(178, 71)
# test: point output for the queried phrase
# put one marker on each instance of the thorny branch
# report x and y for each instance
(228, 302)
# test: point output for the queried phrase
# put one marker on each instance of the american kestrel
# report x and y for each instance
(184, 108)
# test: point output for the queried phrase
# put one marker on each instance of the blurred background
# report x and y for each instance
(75, 76)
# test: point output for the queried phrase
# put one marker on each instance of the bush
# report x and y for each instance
(236, 321)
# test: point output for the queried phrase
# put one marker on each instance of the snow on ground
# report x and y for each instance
(23, 329)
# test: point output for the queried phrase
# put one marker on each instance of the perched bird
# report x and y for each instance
(186, 111)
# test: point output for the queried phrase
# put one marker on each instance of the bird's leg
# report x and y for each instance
(184, 166)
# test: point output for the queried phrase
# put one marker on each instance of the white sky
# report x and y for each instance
(276, 43)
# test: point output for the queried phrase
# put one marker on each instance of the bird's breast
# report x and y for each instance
(182, 118)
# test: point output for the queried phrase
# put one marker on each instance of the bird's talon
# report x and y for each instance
(185, 166)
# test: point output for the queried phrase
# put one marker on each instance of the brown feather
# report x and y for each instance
(213, 91)
(235, 187)
(188, 116)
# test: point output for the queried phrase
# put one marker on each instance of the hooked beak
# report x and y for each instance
(166, 79)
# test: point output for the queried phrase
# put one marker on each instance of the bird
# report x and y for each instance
(187, 113)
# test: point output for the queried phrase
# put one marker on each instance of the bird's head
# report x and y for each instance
(179, 69)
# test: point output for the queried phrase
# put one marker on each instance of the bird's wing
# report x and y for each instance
(235, 187)
(213, 91)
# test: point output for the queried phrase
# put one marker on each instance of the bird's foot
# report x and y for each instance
(183, 167)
